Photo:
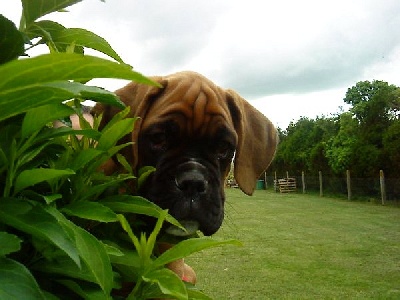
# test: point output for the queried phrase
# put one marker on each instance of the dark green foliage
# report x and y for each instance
(13, 41)
(61, 237)
(303, 145)
(364, 140)
(391, 146)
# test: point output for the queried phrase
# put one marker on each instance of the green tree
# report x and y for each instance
(375, 107)
(325, 129)
(364, 139)
(341, 147)
(303, 145)
(364, 101)
(391, 144)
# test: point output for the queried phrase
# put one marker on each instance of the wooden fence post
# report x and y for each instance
(265, 180)
(348, 181)
(382, 183)
(303, 181)
(276, 183)
(287, 174)
(321, 193)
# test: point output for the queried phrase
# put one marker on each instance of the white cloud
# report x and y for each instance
(289, 58)
(284, 108)
(386, 69)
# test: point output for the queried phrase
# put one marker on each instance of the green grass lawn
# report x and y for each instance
(303, 247)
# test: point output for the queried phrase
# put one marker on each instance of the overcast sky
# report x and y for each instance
(289, 58)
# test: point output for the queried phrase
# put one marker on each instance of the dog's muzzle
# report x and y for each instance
(191, 180)
(189, 188)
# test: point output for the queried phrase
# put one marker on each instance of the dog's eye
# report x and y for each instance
(224, 150)
(158, 140)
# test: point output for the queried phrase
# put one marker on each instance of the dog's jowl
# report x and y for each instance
(190, 130)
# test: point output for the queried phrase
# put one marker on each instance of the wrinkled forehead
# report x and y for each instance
(196, 105)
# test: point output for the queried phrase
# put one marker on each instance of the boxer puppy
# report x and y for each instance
(190, 130)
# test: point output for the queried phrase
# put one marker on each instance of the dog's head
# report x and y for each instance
(191, 130)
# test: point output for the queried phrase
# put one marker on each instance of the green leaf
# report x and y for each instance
(195, 294)
(136, 205)
(11, 41)
(38, 117)
(3, 158)
(62, 131)
(79, 90)
(44, 28)
(54, 92)
(114, 133)
(129, 264)
(84, 157)
(151, 241)
(63, 266)
(167, 282)
(40, 77)
(112, 250)
(31, 177)
(16, 282)
(85, 291)
(9, 243)
(26, 156)
(144, 173)
(98, 189)
(117, 117)
(126, 226)
(37, 222)
(63, 66)
(92, 253)
(189, 246)
(34, 9)
(33, 195)
(91, 211)
(114, 150)
(124, 162)
(51, 198)
(84, 38)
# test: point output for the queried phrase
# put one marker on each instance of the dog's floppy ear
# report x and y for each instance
(257, 142)
(139, 98)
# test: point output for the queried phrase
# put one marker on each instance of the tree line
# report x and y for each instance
(364, 139)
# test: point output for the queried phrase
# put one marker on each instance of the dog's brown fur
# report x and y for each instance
(199, 111)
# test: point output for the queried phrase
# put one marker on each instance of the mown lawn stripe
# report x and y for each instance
(303, 247)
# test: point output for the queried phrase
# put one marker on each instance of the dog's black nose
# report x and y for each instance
(190, 179)
(191, 183)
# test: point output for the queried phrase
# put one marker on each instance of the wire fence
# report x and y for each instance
(377, 189)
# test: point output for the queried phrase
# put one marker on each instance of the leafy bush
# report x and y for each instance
(66, 230)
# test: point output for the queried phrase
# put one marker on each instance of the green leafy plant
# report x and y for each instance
(66, 229)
